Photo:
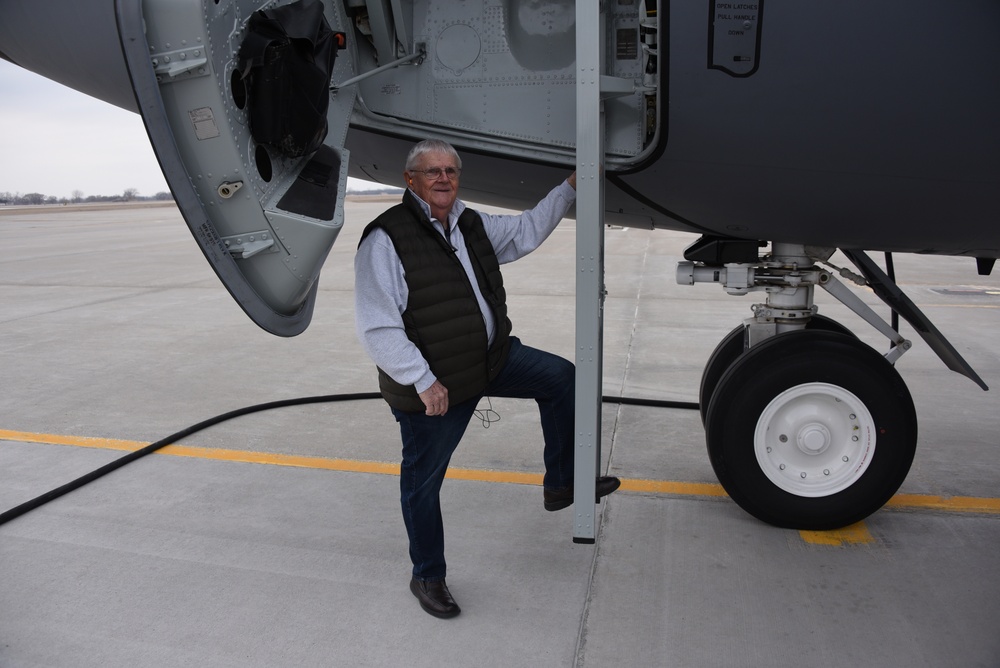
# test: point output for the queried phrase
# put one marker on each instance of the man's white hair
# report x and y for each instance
(431, 146)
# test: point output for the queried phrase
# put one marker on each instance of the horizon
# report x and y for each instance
(124, 196)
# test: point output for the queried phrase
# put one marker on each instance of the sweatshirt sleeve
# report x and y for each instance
(514, 236)
(380, 295)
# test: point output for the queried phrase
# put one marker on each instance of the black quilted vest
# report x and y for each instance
(442, 316)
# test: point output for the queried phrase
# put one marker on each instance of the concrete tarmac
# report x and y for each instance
(275, 539)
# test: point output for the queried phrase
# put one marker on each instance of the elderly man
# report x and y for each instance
(431, 312)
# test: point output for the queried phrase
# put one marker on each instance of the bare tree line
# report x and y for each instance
(129, 195)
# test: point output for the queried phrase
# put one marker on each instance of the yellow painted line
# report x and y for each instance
(274, 459)
(217, 454)
(483, 475)
(671, 487)
(79, 441)
(856, 534)
(298, 461)
(959, 504)
(970, 504)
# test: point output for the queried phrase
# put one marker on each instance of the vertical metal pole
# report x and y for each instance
(589, 265)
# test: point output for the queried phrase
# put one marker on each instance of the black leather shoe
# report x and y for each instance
(435, 598)
(557, 499)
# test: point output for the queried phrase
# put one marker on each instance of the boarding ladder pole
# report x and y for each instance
(590, 290)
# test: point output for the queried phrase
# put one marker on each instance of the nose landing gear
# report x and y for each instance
(806, 426)
(811, 429)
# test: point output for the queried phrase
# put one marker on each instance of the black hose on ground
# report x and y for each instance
(51, 495)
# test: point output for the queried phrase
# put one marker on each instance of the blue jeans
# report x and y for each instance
(429, 441)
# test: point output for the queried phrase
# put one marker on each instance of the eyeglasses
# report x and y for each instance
(435, 173)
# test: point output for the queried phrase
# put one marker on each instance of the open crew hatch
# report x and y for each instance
(500, 76)
(495, 77)
(264, 209)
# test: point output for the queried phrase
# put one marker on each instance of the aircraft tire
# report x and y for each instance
(732, 346)
(811, 430)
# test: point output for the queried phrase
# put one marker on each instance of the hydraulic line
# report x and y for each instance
(53, 494)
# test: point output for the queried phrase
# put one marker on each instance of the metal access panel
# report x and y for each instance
(503, 71)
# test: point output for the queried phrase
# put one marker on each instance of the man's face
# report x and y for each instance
(440, 192)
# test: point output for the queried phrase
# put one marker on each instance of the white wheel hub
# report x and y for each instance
(815, 439)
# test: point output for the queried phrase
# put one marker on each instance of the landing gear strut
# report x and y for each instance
(806, 426)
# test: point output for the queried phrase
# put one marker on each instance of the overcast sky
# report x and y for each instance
(54, 141)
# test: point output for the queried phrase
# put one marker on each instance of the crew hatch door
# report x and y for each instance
(264, 210)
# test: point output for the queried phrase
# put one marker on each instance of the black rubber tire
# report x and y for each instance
(789, 360)
(734, 345)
